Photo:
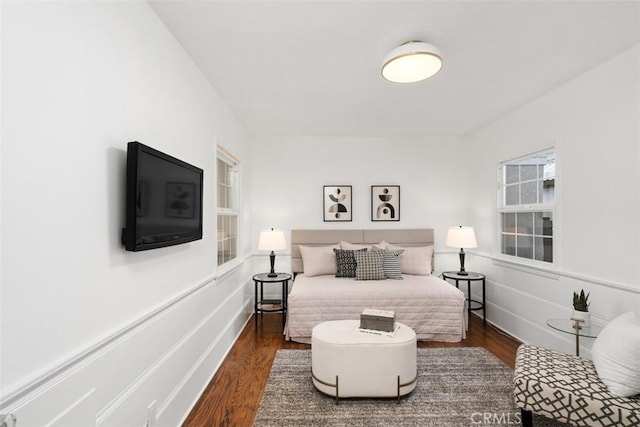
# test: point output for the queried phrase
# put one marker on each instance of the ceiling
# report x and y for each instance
(312, 68)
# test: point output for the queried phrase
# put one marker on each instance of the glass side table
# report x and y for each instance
(574, 327)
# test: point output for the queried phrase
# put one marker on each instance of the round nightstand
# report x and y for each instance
(470, 277)
(262, 305)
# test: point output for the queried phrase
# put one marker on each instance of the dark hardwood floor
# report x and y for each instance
(233, 395)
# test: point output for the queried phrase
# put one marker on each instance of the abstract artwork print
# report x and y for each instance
(336, 203)
(385, 203)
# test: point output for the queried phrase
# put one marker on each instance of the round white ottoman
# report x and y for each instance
(346, 362)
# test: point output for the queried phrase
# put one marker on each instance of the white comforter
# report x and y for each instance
(433, 308)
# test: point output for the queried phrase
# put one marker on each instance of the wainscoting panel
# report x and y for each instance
(158, 364)
(81, 412)
(520, 300)
(65, 403)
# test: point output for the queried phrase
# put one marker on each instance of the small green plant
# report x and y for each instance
(581, 301)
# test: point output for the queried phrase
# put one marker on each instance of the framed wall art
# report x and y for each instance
(336, 203)
(385, 203)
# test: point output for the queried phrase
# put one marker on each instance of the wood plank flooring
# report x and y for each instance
(233, 395)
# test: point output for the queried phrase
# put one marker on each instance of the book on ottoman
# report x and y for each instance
(378, 320)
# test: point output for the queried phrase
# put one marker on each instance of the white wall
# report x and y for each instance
(90, 333)
(593, 122)
(289, 173)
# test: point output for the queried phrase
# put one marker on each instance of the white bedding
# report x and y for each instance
(433, 308)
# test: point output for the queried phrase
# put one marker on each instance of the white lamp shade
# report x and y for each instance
(412, 62)
(461, 237)
(272, 240)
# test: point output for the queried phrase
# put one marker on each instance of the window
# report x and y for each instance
(227, 207)
(526, 204)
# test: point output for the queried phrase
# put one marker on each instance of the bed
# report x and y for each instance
(433, 308)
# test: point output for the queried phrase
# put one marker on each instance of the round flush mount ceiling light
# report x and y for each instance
(411, 62)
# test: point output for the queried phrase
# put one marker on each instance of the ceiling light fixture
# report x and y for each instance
(411, 62)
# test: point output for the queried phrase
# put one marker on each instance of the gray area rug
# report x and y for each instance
(456, 387)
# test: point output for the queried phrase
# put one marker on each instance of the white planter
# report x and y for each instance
(584, 316)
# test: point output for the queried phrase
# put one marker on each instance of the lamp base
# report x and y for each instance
(272, 260)
(462, 272)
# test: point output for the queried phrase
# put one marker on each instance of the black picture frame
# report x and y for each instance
(385, 203)
(337, 203)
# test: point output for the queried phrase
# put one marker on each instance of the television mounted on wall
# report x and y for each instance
(163, 202)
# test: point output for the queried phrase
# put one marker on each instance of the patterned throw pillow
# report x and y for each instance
(369, 265)
(346, 262)
(391, 263)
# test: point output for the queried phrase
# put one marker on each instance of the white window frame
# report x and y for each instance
(502, 208)
(223, 238)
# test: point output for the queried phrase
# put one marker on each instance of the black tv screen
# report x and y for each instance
(164, 200)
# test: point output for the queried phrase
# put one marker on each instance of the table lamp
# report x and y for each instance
(272, 240)
(461, 237)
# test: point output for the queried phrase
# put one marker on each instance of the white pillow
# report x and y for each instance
(319, 260)
(353, 246)
(415, 260)
(356, 246)
(616, 355)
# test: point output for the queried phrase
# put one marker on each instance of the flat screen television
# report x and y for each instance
(164, 200)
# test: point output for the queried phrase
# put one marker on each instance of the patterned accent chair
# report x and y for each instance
(567, 388)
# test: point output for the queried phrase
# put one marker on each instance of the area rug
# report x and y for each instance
(456, 387)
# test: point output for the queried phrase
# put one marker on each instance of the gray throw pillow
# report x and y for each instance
(391, 263)
(369, 266)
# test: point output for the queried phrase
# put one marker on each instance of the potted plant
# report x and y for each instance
(581, 307)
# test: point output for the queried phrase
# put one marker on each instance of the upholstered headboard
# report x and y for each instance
(417, 237)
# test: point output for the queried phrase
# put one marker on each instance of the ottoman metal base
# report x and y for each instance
(336, 385)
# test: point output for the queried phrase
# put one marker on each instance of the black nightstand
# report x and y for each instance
(470, 277)
(262, 305)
